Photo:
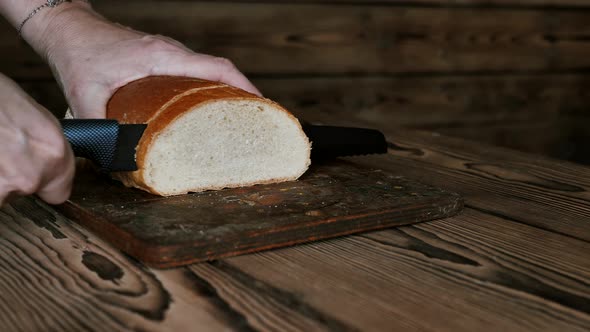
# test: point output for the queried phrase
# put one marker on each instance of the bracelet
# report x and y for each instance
(48, 4)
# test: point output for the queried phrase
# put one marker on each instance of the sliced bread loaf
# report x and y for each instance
(204, 135)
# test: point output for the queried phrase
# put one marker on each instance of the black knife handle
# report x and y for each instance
(94, 139)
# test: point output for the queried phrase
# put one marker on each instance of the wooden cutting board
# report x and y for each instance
(331, 199)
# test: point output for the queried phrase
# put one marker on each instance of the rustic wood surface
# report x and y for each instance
(306, 39)
(334, 198)
(516, 259)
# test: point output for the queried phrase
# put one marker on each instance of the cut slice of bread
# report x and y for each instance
(204, 135)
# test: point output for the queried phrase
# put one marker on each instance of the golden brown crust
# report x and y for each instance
(139, 100)
(159, 100)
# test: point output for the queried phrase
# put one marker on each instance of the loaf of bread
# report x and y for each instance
(204, 135)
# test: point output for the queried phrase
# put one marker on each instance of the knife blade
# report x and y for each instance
(331, 141)
(112, 145)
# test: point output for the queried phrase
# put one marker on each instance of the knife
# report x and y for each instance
(112, 145)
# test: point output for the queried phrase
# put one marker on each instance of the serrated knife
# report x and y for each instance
(112, 145)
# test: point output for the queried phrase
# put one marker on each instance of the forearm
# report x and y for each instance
(53, 29)
(16, 10)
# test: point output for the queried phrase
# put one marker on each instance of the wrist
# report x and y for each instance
(49, 29)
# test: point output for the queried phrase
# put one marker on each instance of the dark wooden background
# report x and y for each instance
(508, 72)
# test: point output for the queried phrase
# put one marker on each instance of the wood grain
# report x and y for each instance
(565, 137)
(460, 273)
(520, 187)
(428, 102)
(470, 272)
(516, 260)
(56, 276)
(304, 39)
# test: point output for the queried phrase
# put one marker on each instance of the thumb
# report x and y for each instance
(89, 102)
(57, 185)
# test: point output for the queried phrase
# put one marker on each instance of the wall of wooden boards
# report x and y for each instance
(507, 72)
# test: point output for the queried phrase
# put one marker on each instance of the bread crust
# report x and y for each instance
(157, 101)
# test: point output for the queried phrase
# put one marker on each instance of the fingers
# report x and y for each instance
(57, 191)
(34, 154)
(213, 69)
(42, 165)
(56, 185)
(223, 70)
(88, 101)
(49, 174)
(188, 63)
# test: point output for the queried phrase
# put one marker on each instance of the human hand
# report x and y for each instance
(35, 157)
(98, 56)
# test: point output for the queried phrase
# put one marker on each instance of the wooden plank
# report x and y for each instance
(456, 274)
(524, 188)
(471, 272)
(305, 39)
(565, 137)
(332, 199)
(56, 276)
(433, 102)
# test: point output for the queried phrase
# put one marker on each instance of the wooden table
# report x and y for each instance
(517, 258)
